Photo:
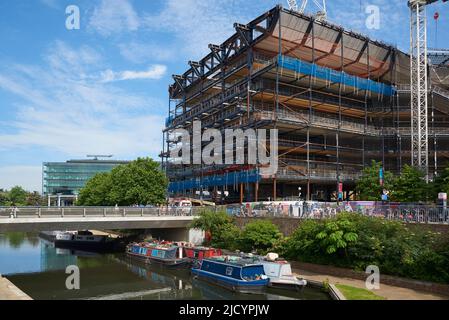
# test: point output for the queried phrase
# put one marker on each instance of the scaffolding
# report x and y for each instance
(338, 99)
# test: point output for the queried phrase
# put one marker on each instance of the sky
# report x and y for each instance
(103, 88)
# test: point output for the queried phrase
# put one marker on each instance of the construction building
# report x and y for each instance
(338, 99)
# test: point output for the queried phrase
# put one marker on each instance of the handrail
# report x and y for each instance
(97, 212)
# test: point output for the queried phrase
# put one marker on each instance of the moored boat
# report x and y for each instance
(83, 240)
(165, 253)
(197, 253)
(279, 271)
(233, 273)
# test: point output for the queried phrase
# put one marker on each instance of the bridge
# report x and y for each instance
(35, 219)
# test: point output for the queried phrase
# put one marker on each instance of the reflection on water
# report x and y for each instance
(18, 239)
(38, 268)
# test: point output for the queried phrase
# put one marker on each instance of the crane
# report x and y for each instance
(321, 5)
(419, 85)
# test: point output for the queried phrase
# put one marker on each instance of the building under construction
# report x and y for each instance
(338, 99)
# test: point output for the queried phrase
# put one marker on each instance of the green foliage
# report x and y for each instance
(337, 235)
(260, 235)
(410, 186)
(139, 182)
(19, 197)
(356, 241)
(34, 199)
(224, 234)
(368, 186)
(227, 237)
(96, 191)
(4, 198)
(441, 184)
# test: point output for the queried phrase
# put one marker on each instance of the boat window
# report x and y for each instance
(229, 271)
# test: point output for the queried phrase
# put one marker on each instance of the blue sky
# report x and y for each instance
(103, 89)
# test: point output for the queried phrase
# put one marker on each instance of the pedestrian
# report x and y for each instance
(14, 212)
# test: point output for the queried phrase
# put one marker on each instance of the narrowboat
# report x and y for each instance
(163, 253)
(197, 253)
(279, 271)
(83, 240)
(233, 273)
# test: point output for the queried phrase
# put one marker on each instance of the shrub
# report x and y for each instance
(355, 241)
(260, 235)
(224, 234)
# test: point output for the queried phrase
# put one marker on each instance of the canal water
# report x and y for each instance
(38, 268)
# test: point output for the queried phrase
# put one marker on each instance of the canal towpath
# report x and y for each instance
(389, 292)
(8, 291)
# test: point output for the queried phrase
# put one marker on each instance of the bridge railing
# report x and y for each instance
(405, 213)
(301, 210)
(95, 212)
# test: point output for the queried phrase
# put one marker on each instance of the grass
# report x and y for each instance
(352, 293)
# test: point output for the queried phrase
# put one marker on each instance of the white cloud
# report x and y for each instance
(29, 177)
(197, 23)
(51, 3)
(155, 72)
(142, 52)
(74, 114)
(114, 16)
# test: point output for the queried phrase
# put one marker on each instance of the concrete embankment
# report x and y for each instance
(8, 291)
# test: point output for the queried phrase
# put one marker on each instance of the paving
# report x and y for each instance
(386, 291)
(8, 291)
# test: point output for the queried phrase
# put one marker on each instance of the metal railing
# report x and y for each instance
(96, 212)
(408, 213)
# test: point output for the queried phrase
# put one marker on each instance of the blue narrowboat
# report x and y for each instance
(167, 253)
(233, 273)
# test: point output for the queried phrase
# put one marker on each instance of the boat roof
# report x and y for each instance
(235, 261)
(156, 245)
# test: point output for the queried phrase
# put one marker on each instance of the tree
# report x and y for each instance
(368, 186)
(4, 198)
(139, 182)
(441, 184)
(337, 235)
(18, 196)
(96, 191)
(34, 199)
(260, 235)
(410, 186)
(224, 234)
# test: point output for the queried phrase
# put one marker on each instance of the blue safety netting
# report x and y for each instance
(227, 179)
(334, 76)
(168, 121)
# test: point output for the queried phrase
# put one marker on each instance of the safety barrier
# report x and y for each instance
(334, 76)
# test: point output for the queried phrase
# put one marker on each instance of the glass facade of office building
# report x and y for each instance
(68, 178)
